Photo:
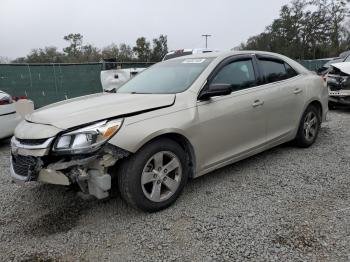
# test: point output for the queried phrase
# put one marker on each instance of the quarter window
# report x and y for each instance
(290, 71)
(238, 74)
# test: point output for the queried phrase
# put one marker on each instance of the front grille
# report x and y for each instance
(25, 166)
(31, 142)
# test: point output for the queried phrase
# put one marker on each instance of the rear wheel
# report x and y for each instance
(309, 127)
(153, 178)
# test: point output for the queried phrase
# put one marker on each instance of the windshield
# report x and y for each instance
(347, 59)
(169, 77)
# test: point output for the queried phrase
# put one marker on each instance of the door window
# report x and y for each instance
(238, 74)
(275, 70)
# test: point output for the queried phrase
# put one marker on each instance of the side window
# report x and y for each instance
(274, 71)
(238, 74)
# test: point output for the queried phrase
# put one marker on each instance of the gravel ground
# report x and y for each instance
(284, 204)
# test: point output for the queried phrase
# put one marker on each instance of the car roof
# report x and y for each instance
(223, 54)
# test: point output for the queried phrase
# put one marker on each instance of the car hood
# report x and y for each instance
(344, 67)
(86, 109)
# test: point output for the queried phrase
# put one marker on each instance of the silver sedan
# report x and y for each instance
(177, 120)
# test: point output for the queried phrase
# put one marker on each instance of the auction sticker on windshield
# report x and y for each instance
(193, 61)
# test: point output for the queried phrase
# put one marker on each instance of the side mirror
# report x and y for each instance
(215, 90)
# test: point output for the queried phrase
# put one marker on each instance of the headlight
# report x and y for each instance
(87, 139)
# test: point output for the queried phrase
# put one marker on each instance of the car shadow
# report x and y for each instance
(5, 142)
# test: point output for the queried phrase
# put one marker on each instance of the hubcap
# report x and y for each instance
(310, 126)
(161, 176)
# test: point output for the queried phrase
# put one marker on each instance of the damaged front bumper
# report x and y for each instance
(32, 160)
(338, 83)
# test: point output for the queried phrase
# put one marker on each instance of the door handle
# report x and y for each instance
(298, 91)
(257, 103)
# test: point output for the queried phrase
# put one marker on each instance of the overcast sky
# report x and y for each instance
(28, 24)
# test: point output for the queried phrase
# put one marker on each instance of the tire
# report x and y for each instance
(144, 174)
(309, 127)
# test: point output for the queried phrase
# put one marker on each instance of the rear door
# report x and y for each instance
(286, 97)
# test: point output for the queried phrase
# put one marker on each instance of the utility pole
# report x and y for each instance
(206, 40)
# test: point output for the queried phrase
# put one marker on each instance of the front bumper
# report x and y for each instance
(16, 177)
(343, 100)
(25, 171)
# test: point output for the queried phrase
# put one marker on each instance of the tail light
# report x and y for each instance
(16, 98)
(6, 100)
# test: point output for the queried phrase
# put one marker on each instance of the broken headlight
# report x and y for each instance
(87, 139)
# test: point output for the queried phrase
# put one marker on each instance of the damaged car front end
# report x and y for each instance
(79, 156)
(338, 81)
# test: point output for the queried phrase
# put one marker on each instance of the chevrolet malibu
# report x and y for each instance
(177, 120)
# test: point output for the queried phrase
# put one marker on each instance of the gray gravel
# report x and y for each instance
(284, 204)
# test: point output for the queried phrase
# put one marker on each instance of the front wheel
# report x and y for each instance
(153, 178)
(309, 127)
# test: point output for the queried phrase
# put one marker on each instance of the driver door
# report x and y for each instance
(231, 126)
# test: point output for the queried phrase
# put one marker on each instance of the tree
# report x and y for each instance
(306, 30)
(4, 60)
(90, 53)
(126, 53)
(160, 48)
(111, 51)
(76, 42)
(45, 55)
(142, 50)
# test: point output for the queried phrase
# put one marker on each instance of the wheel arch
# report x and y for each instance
(318, 105)
(182, 140)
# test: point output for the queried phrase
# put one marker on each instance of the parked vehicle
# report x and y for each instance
(114, 76)
(112, 79)
(184, 52)
(322, 71)
(8, 116)
(338, 82)
(178, 119)
(343, 57)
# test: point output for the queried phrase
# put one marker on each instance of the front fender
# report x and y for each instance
(134, 135)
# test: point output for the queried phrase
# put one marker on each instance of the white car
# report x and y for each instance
(338, 82)
(8, 115)
(11, 113)
(112, 79)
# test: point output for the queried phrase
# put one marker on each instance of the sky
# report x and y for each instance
(28, 24)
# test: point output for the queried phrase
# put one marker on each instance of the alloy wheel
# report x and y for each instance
(310, 126)
(161, 176)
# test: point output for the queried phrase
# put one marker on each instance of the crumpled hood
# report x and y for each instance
(86, 109)
(344, 67)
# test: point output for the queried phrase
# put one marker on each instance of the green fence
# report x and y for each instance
(49, 83)
(313, 65)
